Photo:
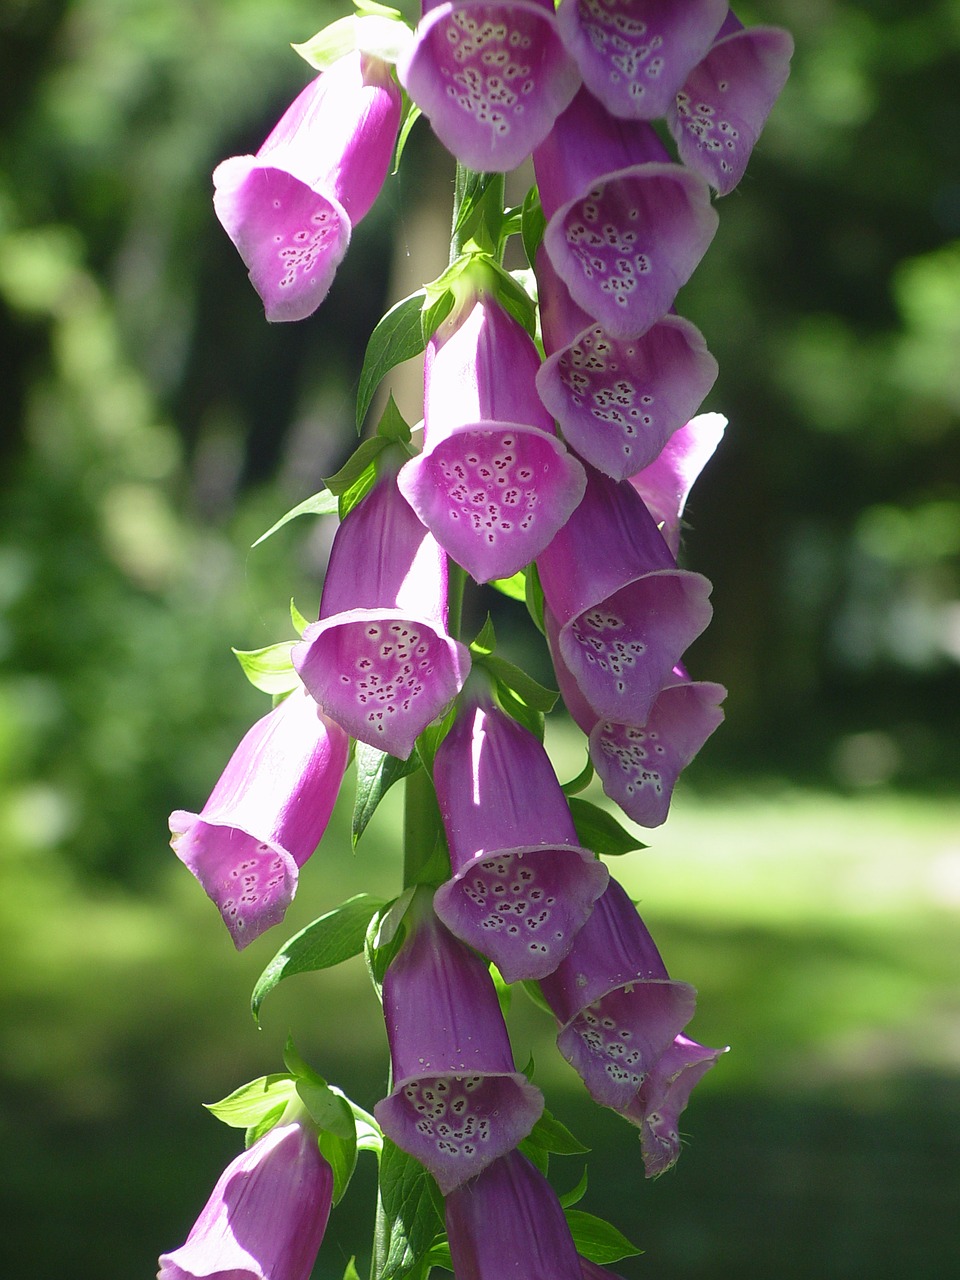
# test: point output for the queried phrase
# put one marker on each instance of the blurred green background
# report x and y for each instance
(152, 426)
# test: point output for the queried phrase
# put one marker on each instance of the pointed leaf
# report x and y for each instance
(486, 640)
(412, 1210)
(515, 588)
(333, 937)
(350, 1271)
(263, 1125)
(376, 773)
(597, 829)
(529, 717)
(581, 781)
(392, 425)
(356, 466)
(269, 669)
(597, 1240)
(532, 224)
(329, 1109)
(575, 1194)
(554, 1136)
(323, 503)
(396, 338)
(432, 736)
(251, 1102)
(514, 678)
(300, 623)
(411, 114)
(534, 598)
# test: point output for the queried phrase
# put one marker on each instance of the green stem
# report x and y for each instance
(422, 826)
(465, 182)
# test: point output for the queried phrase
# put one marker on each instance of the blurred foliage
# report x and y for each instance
(152, 426)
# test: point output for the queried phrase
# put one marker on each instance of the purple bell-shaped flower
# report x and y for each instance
(624, 612)
(626, 226)
(617, 1007)
(290, 208)
(491, 78)
(266, 1216)
(522, 884)
(718, 114)
(634, 54)
(458, 1102)
(379, 660)
(493, 483)
(265, 816)
(665, 484)
(509, 1223)
(663, 1096)
(617, 400)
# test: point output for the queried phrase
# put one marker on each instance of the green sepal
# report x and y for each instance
(581, 781)
(529, 691)
(432, 736)
(412, 1213)
(553, 1136)
(339, 1150)
(300, 623)
(436, 870)
(357, 469)
(263, 1125)
(532, 224)
(369, 1133)
(393, 426)
(529, 717)
(503, 989)
(384, 937)
(323, 503)
(398, 336)
(350, 1270)
(575, 1194)
(439, 1254)
(514, 299)
(375, 30)
(410, 114)
(252, 1102)
(327, 941)
(514, 588)
(480, 210)
(532, 988)
(377, 771)
(485, 640)
(597, 1240)
(438, 302)
(298, 1067)
(534, 598)
(599, 830)
(269, 669)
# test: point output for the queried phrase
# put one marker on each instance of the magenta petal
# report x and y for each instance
(457, 1103)
(639, 765)
(509, 1224)
(491, 78)
(617, 1007)
(665, 484)
(634, 54)
(522, 886)
(720, 111)
(663, 1096)
(265, 816)
(493, 494)
(266, 1216)
(291, 237)
(619, 400)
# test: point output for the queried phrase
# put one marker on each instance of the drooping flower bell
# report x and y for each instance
(718, 114)
(509, 1223)
(266, 1216)
(624, 612)
(665, 484)
(522, 884)
(290, 209)
(634, 54)
(490, 77)
(663, 1096)
(493, 483)
(265, 816)
(626, 226)
(617, 400)
(458, 1102)
(617, 1007)
(379, 660)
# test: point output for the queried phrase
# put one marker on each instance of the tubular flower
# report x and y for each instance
(665, 484)
(266, 1216)
(265, 816)
(290, 208)
(509, 1223)
(626, 226)
(458, 1102)
(379, 660)
(624, 612)
(617, 400)
(721, 109)
(491, 78)
(634, 54)
(617, 1007)
(663, 1096)
(522, 885)
(493, 484)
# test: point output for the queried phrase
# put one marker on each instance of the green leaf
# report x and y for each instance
(435, 311)
(396, 338)
(582, 780)
(350, 1271)
(518, 682)
(329, 1109)
(515, 588)
(597, 829)
(392, 426)
(263, 1125)
(412, 1210)
(534, 598)
(369, 1133)
(251, 1102)
(597, 1240)
(514, 299)
(323, 503)
(377, 30)
(536, 995)
(300, 623)
(486, 640)
(532, 225)
(341, 1155)
(270, 669)
(385, 935)
(376, 773)
(332, 938)
(503, 989)
(529, 717)
(333, 42)
(439, 1255)
(554, 1136)
(298, 1067)
(411, 114)
(356, 466)
(575, 1194)
(431, 738)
